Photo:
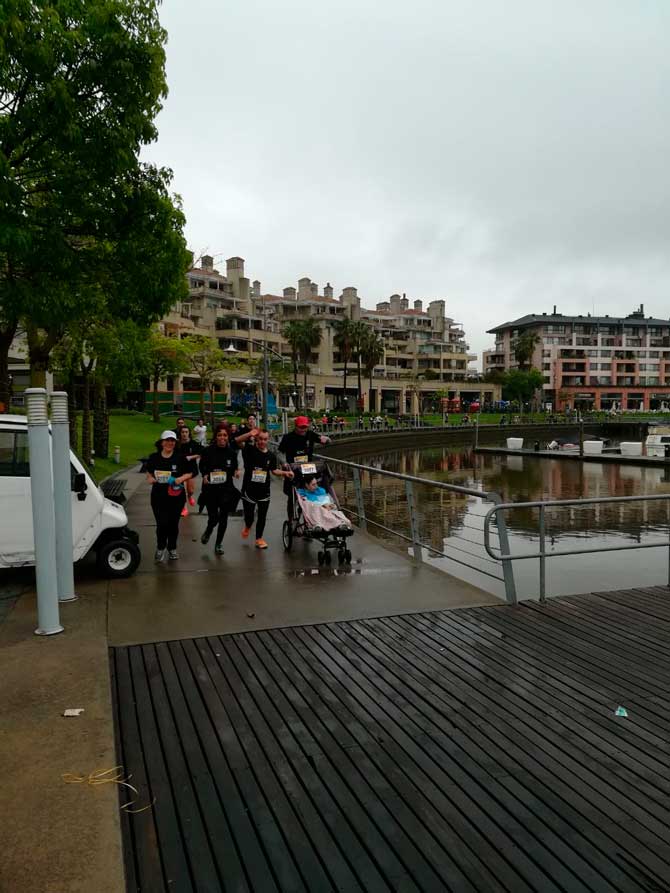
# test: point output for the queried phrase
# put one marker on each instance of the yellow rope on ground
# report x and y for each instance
(115, 775)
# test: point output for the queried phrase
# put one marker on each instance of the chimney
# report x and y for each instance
(554, 310)
(289, 293)
(418, 305)
(314, 288)
(207, 263)
(395, 303)
(404, 304)
(256, 289)
(304, 288)
(328, 290)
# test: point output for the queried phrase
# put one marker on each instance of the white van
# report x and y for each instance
(97, 522)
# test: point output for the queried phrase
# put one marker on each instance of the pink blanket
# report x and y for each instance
(322, 516)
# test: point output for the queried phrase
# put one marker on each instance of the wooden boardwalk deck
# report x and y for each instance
(470, 750)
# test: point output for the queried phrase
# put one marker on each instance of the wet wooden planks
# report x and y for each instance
(468, 750)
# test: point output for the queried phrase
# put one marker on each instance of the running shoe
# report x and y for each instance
(204, 539)
(245, 533)
(191, 500)
(172, 554)
(184, 512)
(159, 554)
(218, 548)
(261, 544)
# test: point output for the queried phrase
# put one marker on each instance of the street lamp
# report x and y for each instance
(231, 349)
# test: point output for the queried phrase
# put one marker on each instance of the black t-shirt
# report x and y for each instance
(298, 447)
(190, 449)
(257, 468)
(176, 465)
(219, 459)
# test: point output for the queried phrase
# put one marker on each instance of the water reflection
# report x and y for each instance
(453, 523)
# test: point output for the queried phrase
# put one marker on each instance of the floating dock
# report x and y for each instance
(604, 457)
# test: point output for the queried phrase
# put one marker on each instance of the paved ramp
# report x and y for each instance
(469, 750)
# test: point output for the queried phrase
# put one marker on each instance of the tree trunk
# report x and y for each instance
(6, 337)
(202, 401)
(370, 395)
(295, 379)
(39, 352)
(360, 386)
(346, 402)
(100, 422)
(304, 387)
(86, 416)
(211, 409)
(72, 411)
(155, 408)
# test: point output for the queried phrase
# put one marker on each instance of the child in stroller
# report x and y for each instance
(316, 514)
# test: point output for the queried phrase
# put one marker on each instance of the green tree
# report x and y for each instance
(309, 340)
(343, 341)
(80, 86)
(208, 363)
(292, 331)
(359, 332)
(525, 348)
(521, 385)
(372, 352)
(165, 356)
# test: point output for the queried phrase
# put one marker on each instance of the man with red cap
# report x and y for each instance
(298, 448)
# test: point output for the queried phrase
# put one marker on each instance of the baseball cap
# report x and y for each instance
(301, 421)
(168, 435)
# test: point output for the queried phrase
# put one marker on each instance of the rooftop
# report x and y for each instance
(532, 319)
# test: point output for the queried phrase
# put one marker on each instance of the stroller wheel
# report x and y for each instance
(321, 557)
(287, 535)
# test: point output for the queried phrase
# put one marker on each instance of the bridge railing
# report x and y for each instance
(358, 501)
(494, 517)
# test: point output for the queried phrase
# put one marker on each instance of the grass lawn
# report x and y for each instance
(135, 435)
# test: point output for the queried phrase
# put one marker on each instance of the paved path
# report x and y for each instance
(245, 589)
(472, 750)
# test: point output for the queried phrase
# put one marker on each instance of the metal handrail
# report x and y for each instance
(415, 536)
(505, 555)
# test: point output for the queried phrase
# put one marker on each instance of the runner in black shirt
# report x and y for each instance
(259, 464)
(190, 450)
(298, 448)
(218, 465)
(167, 470)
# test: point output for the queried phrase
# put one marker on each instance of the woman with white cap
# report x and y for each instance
(167, 470)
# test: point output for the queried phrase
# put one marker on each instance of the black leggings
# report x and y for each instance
(167, 511)
(217, 515)
(249, 512)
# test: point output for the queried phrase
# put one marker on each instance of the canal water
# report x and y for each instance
(453, 524)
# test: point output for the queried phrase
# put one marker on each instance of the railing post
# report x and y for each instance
(413, 521)
(507, 564)
(543, 559)
(360, 506)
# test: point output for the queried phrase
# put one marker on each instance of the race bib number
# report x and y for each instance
(259, 476)
(309, 468)
(217, 477)
(162, 477)
(301, 459)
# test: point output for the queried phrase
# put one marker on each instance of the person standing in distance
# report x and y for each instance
(298, 448)
(167, 471)
(200, 432)
(218, 466)
(259, 464)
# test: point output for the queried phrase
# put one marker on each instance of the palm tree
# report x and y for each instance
(343, 340)
(310, 337)
(292, 331)
(372, 352)
(525, 348)
(359, 332)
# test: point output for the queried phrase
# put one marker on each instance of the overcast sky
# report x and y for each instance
(505, 155)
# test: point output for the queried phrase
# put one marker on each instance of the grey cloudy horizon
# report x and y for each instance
(504, 157)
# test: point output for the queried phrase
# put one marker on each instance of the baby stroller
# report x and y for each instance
(334, 539)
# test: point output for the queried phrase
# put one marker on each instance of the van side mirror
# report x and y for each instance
(79, 485)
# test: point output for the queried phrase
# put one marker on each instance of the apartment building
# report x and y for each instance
(592, 362)
(425, 353)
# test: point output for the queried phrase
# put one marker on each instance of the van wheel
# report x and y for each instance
(118, 558)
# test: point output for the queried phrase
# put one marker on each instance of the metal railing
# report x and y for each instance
(496, 514)
(365, 520)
